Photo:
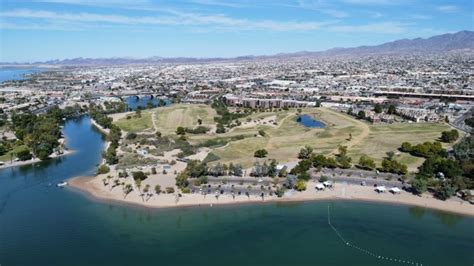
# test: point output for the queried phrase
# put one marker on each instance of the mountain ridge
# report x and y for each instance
(462, 40)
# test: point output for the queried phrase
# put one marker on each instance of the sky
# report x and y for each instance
(39, 30)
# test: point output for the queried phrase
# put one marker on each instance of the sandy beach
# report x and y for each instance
(94, 187)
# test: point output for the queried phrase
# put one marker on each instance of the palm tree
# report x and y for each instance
(145, 190)
(127, 189)
(109, 177)
(138, 182)
(116, 183)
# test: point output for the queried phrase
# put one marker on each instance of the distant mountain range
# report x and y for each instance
(463, 40)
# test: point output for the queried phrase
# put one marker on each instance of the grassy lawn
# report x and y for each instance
(284, 141)
(183, 115)
(385, 138)
(7, 156)
(136, 124)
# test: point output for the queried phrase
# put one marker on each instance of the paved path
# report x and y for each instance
(153, 120)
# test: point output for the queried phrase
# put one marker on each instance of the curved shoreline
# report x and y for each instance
(35, 160)
(94, 188)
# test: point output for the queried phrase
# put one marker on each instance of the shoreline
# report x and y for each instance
(34, 160)
(99, 127)
(92, 187)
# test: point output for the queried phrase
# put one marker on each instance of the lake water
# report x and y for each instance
(133, 102)
(309, 121)
(16, 73)
(44, 225)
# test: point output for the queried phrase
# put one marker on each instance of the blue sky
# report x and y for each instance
(56, 29)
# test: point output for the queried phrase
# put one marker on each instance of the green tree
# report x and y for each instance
(182, 180)
(180, 131)
(262, 153)
(3, 150)
(445, 191)
(305, 153)
(361, 114)
(366, 162)
(103, 169)
(406, 147)
(378, 108)
(139, 175)
(392, 109)
(23, 154)
(449, 136)
(319, 161)
(138, 112)
(342, 159)
(419, 185)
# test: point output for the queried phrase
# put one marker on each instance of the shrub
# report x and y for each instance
(450, 135)
(197, 130)
(157, 189)
(139, 175)
(23, 154)
(280, 191)
(103, 169)
(304, 176)
(262, 153)
(300, 185)
(131, 136)
(169, 190)
(180, 131)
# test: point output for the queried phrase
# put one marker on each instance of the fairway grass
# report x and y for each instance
(135, 124)
(183, 115)
(284, 140)
(385, 138)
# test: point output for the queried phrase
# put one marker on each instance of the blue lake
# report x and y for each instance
(41, 224)
(133, 102)
(309, 121)
(16, 73)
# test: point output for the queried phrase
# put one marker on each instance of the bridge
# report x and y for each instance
(425, 95)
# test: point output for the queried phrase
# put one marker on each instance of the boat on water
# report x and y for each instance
(62, 184)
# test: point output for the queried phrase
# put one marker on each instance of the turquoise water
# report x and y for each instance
(308, 121)
(15, 73)
(132, 102)
(45, 225)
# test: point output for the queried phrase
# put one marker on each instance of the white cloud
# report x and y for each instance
(172, 18)
(320, 6)
(448, 8)
(383, 28)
